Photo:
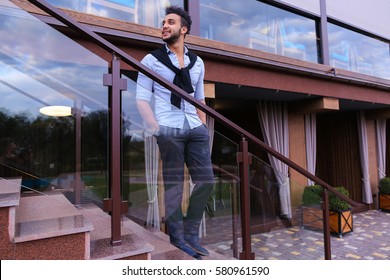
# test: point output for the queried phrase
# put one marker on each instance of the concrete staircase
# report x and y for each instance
(49, 227)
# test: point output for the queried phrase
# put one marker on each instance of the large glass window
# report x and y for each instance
(259, 26)
(359, 53)
(146, 12)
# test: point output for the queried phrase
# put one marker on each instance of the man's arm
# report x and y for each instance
(199, 92)
(201, 114)
(147, 114)
(144, 96)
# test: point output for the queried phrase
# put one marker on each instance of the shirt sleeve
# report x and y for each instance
(144, 83)
(199, 91)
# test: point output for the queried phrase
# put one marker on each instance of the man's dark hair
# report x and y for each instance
(185, 17)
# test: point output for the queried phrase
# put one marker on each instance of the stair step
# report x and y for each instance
(9, 198)
(133, 246)
(163, 249)
(45, 216)
(46, 227)
(10, 192)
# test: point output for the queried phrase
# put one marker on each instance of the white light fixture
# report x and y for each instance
(56, 111)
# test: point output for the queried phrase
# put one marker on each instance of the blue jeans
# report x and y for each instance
(191, 147)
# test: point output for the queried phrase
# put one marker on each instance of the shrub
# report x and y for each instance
(384, 185)
(335, 203)
(312, 195)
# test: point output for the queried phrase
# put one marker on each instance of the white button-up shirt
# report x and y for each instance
(159, 97)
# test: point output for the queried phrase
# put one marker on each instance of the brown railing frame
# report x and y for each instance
(114, 136)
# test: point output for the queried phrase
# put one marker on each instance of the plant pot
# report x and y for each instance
(384, 202)
(312, 217)
(340, 222)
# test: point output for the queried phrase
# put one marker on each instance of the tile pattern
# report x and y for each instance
(370, 240)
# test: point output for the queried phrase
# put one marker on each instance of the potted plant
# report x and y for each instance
(384, 194)
(340, 214)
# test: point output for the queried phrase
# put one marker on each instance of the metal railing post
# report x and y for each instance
(114, 204)
(244, 160)
(325, 216)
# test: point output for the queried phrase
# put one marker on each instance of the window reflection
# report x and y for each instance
(256, 25)
(259, 26)
(42, 67)
(359, 53)
(146, 12)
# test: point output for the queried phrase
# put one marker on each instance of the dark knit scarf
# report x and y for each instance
(182, 76)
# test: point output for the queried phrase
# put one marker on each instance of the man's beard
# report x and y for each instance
(173, 38)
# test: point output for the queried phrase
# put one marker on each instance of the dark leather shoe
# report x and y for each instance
(188, 250)
(197, 248)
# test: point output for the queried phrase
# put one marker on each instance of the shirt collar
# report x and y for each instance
(169, 51)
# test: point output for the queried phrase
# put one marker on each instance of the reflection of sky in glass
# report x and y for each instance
(27, 91)
(356, 52)
(256, 25)
(251, 24)
(78, 5)
(40, 65)
(148, 12)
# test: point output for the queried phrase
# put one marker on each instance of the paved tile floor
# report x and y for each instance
(370, 240)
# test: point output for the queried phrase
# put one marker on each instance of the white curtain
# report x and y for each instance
(311, 144)
(362, 126)
(151, 172)
(210, 126)
(381, 147)
(273, 120)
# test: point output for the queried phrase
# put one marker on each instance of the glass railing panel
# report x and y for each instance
(283, 228)
(140, 161)
(273, 214)
(264, 192)
(143, 182)
(222, 224)
(59, 154)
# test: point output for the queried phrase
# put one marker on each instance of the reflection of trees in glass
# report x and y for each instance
(95, 141)
(44, 147)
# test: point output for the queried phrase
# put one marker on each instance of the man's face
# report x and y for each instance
(172, 29)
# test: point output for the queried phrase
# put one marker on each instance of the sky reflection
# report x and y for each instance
(43, 64)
